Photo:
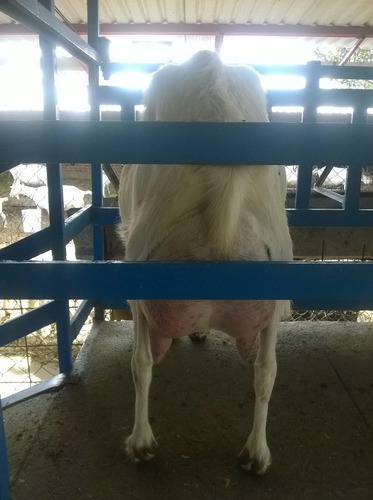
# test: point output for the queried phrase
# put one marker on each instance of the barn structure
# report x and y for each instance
(326, 224)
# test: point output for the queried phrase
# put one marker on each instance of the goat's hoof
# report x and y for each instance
(254, 467)
(257, 466)
(198, 337)
(140, 453)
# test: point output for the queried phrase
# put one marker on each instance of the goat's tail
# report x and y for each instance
(225, 195)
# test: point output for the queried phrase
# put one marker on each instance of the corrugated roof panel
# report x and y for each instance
(5, 19)
(205, 10)
(299, 13)
(356, 13)
(130, 11)
(73, 10)
(341, 13)
(291, 12)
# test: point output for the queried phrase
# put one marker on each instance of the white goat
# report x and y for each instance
(73, 197)
(30, 174)
(202, 213)
(2, 214)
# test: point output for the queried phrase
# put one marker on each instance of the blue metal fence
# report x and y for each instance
(108, 285)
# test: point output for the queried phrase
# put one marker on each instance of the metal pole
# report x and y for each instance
(55, 195)
(96, 168)
(4, 471)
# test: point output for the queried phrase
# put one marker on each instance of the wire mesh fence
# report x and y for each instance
(24, 209)
(34, 357)
(320, 315)
(334, 180)
(24, 199)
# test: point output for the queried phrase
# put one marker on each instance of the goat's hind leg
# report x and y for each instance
(141, 443)
(255, 456)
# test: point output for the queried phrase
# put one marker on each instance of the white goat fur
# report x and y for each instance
(73, 197)
(190, 213)
(2, 214)
(30, 174)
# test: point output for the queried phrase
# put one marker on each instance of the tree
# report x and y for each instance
(359, 56)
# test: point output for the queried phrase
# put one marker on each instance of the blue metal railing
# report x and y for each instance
(309, 144)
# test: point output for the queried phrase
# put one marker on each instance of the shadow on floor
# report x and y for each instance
(70, 445)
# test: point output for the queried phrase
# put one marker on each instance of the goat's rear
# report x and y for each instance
(201, 212)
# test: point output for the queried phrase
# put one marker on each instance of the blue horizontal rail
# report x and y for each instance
(28, 247)
(330, 217)
(26, 323)
(313, 68)
(103, 281)
(186, 143)
(317, 70)
(318, 217)
(321, 97)
(280, 97)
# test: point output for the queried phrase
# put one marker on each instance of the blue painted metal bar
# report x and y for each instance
(321, 97)
(303, 189)
(77, 223)
(95, 115)
(55, 196)
(54, 170)
(192, 143)
(28, 247)
(41, 21)
(56, 211)
(97, 201)
(79, 318)
(117, 303)
(323, 70)
(35, 15)
(110, 68)
(296, 97)
(330, 218)
(52, 384)
(106, 216)
(28, 322)
(353, 187)
(189, 280)
(62, 320)
(327, 217)
(330, 304)
(4, 167)
(4, 471)
(116, 95)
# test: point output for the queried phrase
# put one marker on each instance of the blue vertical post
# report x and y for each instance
(353, 180)
(4, 472)
(96, 168)
(55, 195)
(304, 181)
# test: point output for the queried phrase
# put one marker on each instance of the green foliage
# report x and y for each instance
(336, 56)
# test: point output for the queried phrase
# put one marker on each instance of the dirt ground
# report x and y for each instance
(69, 445)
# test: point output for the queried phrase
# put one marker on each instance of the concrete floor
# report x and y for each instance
(68, 445)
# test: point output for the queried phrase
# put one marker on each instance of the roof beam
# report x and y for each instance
(352, 51)
(41, 21)
(213, 29)
(237, 29)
